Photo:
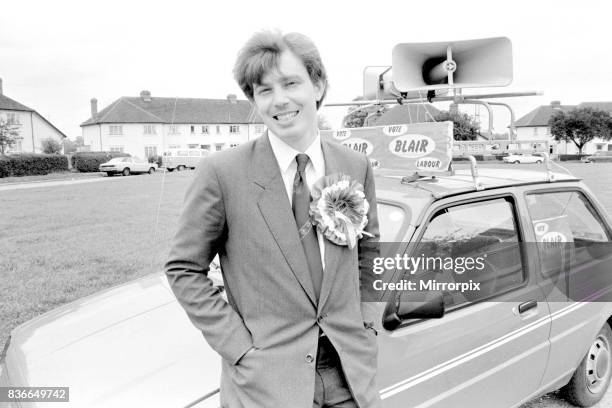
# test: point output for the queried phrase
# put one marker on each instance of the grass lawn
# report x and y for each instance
(64, 242)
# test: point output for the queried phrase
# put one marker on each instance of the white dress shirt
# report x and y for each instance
(315, 169)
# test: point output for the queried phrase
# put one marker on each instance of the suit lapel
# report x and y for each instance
(276, 210)
(333, 252)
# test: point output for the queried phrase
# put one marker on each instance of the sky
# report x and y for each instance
(56, 56)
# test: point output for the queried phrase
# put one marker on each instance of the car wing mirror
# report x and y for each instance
(413, 305)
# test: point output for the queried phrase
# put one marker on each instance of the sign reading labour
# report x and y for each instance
(414, 147)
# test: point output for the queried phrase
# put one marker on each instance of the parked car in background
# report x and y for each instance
(127, 166)
(517, 158)
(519, 338)
(181, 159)
(598, 157)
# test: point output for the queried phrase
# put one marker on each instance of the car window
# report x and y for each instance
(476, 241)
(182, 153)
(569, 226)
(127, 160)
(390, 221)
(194, 153)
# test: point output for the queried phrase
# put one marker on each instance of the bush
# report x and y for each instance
(91, 161)
(155, 159)
(31, 164)
(51, 146)
(566, 157)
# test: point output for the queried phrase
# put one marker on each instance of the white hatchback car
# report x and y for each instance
(541, 322)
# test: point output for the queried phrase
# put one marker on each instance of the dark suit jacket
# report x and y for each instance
(237, 207)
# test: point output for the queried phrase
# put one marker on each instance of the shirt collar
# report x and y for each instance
(285, 154)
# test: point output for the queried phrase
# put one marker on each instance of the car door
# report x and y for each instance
(573, 244)
(487, 338)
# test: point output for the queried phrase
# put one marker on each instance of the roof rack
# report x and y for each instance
(421, 175)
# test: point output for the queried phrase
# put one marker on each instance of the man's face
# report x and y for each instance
(286, 100)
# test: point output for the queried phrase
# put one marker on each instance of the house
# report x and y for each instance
(148, 126)
(533, 127)
(31, 125)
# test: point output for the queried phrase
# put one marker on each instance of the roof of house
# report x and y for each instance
(7, 103)
(540, 115)
(175, 110)
(407, 113)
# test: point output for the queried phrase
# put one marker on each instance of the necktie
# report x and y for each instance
(308, 236)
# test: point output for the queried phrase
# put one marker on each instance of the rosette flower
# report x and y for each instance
(339, 209)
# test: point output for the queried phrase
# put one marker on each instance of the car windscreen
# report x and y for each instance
(116, 160)
(390, 220)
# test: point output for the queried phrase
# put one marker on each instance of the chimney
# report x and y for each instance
(94, 108)
(555, 104)
(1, 86)
(146, 96)
(232, 98)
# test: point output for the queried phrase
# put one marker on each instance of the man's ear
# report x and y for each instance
(319, 89)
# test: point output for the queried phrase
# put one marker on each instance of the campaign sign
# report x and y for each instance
(416, 147)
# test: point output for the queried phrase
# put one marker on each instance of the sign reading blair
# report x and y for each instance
(414, 147)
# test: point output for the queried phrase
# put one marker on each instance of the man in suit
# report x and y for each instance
(294, 332)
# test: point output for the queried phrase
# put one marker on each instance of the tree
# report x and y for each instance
(8, 136)
(51, 146)
(357, 115)
(580, 126)
(71, 146)
(323, 122)
(464, 126)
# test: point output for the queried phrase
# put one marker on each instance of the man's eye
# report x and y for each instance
(263, 91)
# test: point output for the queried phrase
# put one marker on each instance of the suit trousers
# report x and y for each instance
(331, 388)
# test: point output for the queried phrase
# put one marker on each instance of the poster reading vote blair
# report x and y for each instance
(417, 147)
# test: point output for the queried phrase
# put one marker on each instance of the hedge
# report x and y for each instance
(91, 161)
(32, 164)
(566, 157)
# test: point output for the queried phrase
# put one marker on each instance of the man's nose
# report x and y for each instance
(280, 98)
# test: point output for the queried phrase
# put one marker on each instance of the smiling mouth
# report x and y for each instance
(285, 117)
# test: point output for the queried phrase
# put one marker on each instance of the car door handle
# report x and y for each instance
(523, 307)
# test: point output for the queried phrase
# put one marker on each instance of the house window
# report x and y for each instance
(116, 149)
(115, 130)
(233, 144)
(12, 119)
(173, 130)
(193, 146)
(192, 128)
(599, 146)
(259, 128)
(205, 129)
(535, 131)
(219, 146)
(150, 151)
(205, 147)
(218, 129)
(149, 130)
(234, 129)
(174, 146)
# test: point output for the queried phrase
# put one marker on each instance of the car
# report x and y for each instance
(181, 159)
(127, 166)
(537, 326)
(598, 157)
(517, 158)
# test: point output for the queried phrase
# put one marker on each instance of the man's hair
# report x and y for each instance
(261, 54)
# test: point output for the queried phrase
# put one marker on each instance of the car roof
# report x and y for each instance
(389, 184)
